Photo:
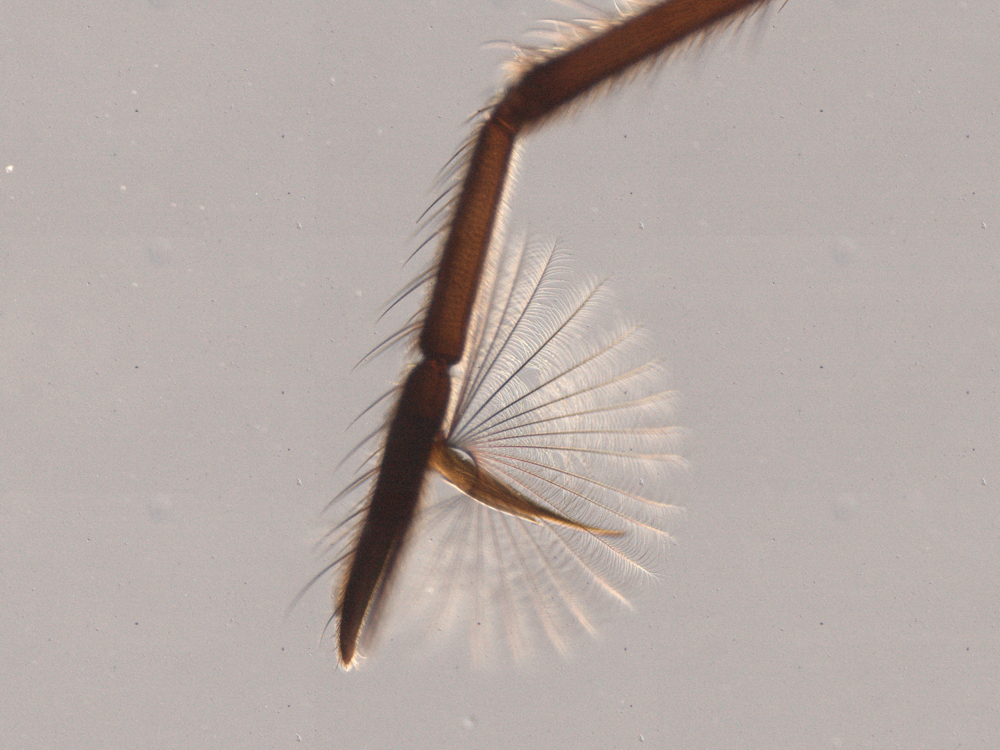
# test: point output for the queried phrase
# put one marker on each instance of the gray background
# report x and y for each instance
(208, 206)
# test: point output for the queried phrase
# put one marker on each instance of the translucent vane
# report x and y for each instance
(555, 453)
